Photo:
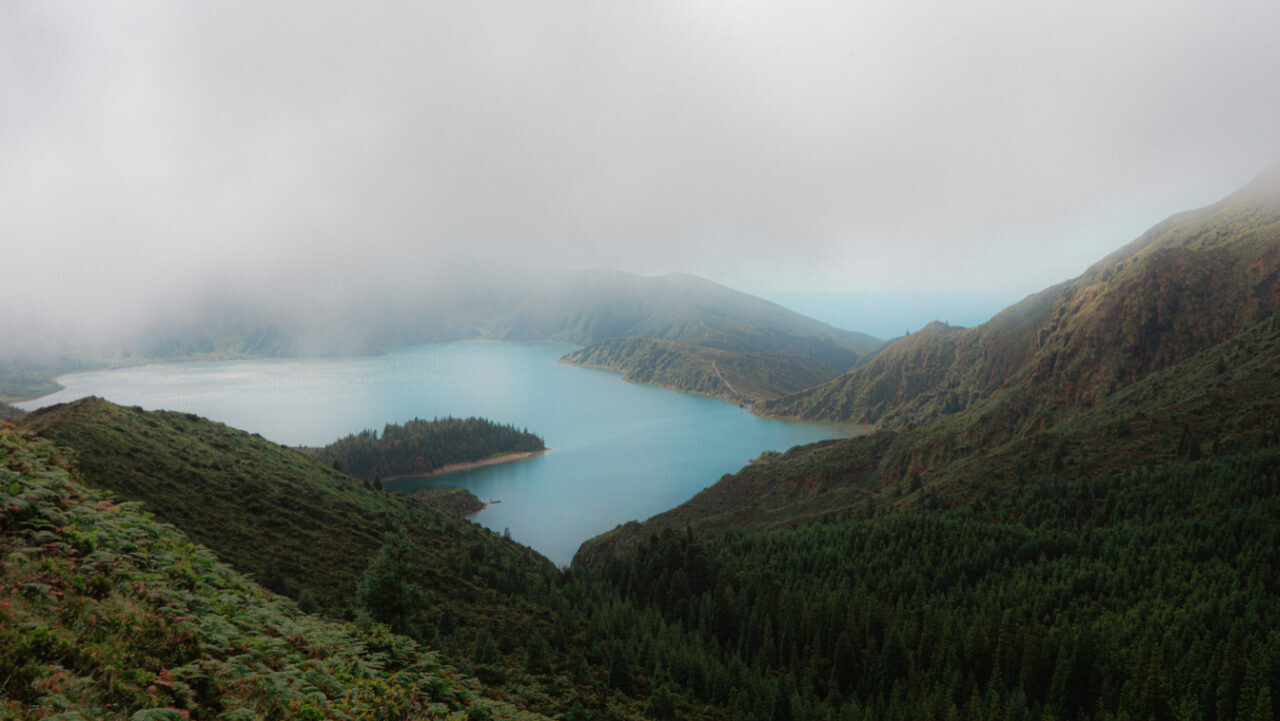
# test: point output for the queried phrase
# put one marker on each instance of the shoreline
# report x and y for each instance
(222, 356)
(469, 465)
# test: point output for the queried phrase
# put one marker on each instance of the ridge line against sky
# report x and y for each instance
(150, 148)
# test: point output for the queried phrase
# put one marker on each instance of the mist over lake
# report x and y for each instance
(619, 451)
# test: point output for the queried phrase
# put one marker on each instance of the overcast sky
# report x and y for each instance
(878, 145)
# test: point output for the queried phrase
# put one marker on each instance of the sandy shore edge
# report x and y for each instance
(455, 467)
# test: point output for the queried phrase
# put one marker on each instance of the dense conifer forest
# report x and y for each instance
(420, 446)
(1149, 594)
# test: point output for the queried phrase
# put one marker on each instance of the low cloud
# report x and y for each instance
(151, 150)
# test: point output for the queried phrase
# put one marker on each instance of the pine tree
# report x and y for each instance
(1262, 710)
(384, 593)
(661, 706)
(307, 602)
(485, 650)
(620, 670)
(537, 654)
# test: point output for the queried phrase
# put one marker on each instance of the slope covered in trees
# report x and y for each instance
(1161, 346)
(294, 523)
(1136, 594)
(1206, 405)
(420, 447)
(493, 608)
(107, 613)
(692, 367)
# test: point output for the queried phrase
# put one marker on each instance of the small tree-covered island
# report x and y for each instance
(420, 447)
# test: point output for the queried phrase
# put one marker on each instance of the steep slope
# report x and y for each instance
(492, 608)
(720, 342)
(8, 412)
(294, 523)
(691, 367)
(1158, 351)
(1192, 281)
(1207, 405)
(935, 371)
(106, 613)
(1145, 594)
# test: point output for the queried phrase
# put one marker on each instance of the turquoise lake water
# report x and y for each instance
(619, 451)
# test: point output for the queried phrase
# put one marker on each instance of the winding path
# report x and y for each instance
(716, 367)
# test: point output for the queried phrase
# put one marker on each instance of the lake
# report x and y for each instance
(619, 451)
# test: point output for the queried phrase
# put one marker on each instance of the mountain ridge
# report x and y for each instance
(1158, 349)
(1201, 275)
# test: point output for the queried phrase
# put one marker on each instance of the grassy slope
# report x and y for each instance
(22, 378)
(690, 367)
(279, 514)
(8, 412)
(1177, 330)
(1194, 280)
(106, 613)
(268, 509)
(937, 370)
(1212, 395)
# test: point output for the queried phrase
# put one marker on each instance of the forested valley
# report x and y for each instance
(1145, 594)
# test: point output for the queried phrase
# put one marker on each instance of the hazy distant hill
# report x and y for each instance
(1169, 347)
(712, 339)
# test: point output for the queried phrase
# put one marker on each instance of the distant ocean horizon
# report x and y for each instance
(892, 315)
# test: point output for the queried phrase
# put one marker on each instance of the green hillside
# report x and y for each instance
(490, 607)
(1140, 594)
(1159, 347)
(1069, 512)
(292, 522)
(107, 613)
(1204, 406)
(8, 412)
(935, 371)
(1192, 281)
(22, 377)
(692, 367)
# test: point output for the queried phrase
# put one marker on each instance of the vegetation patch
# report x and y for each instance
(107, 613)
(419, 447)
